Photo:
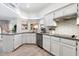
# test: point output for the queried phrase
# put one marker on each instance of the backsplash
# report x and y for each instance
(67, 27)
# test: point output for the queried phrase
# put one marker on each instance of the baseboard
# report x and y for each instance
(48, 52)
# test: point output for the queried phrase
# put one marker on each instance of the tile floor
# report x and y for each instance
(27, 50)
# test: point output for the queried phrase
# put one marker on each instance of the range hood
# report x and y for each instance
(78, 20)
(51, 27)
(66, 17)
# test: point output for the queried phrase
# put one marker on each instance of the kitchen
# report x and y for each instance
(53, 27)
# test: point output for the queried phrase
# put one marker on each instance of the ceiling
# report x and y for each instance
(32, 7)
(26, 10)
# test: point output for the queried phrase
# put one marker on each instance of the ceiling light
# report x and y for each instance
(28, 5)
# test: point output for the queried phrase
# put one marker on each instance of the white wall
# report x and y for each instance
(12, 23)
(19, 25)
(67, 27)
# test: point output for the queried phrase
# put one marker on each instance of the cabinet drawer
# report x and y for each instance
(69, 50)
(55, 38)
(69, 42)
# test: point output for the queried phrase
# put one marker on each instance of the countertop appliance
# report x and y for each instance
(39, 40)
(43, 30)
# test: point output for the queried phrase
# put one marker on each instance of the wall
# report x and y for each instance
(12, 23)
(67, 27)
(4, 26)
(29, 21)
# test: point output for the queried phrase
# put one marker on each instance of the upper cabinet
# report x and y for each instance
(70, 9)
(58, 13)
(48, 20)
(78, 16)
(65, 11)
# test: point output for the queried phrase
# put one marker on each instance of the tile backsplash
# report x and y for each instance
(67, 27)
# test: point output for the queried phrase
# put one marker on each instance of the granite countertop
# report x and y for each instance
(15, 33)
(60, 36)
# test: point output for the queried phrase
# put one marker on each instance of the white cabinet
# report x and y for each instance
(78, 16)
(55, 46)
(46, 42)
(63, 47)
(58, 13)
(7, 43)
(68, 10)
(29, 38)
(48, 20)
(17, 40)
(69, 50)
(78, 49)
(68, 42)
(71, 9)
(24, 38)
(68, 47)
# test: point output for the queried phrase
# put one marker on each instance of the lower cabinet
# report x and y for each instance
(17, 40)
(46, 42)
(78, 49)
(55, 46)
(63, 47)
(68, 50)
(24, 38)
(29, 38)
(7, 43)
(68, 47)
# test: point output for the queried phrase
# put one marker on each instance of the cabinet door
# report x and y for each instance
(46, 43)
(55, 46)
(71, 9)
(24, 38)
(17, 41)
(78, 49)
(58, 13)
(31, 38)
(8, 41)
(49, 20)
(69, 50)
